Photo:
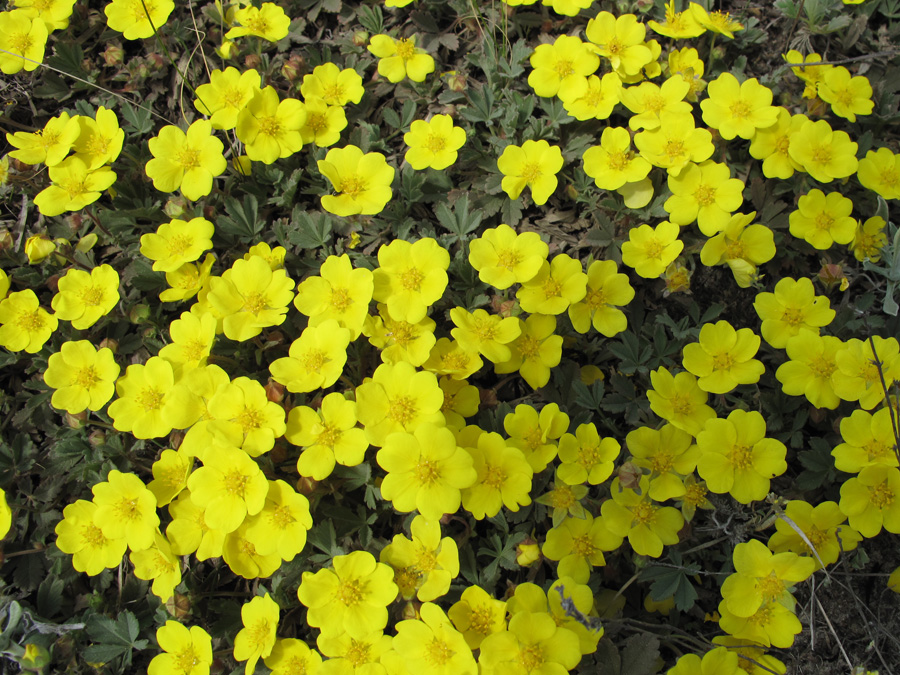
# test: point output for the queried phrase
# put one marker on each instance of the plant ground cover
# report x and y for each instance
(451, 337)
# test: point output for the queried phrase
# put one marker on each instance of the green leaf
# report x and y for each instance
(640, 655)
(458, 221)
(103, 653)
(371, 18)
(309, 229)
(242, 220)
(138, 120)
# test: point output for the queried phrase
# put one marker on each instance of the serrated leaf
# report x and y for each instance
(103, 653)
(49, 597)
(242, 219)
(640, 655)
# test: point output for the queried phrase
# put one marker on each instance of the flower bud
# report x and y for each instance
(252, 61)
(113, 55)
(97, 438)
(528, 552)
(457, 82)
(179, 606)
(109, 343)
(75, 221)
(293, 67)
(361, 38)
(86, 243)
(274, 391)
(225, 49)
(630, 476)
(38, 247)
(6, 240)
(139, 313)
(76, 421)
(175, 207)
(832, 275)
(306, 486)
(35, 658)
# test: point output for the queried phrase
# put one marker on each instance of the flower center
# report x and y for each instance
(481, 620)
(30, 322)
(150, 399)
(654, 250)
(358, 653)
(258, 24)
(564, 68)
(619, 160)
(583, 546)
(411, 279)
(329, 436)
(178, 244)
(734, 250)
(674, 149)
(189, 158)
(822, 367)
(233, 98)
(740, 457)
(93, 536)
(563, 498)
(353, 186)
(435, 143)
(531, 172)
(255, 303)
(314, 359)
(508, 259)
(824, 221)
(270, 126)
(822, 154)
(317, 122)
(86, 377)
(406, 49)
(402, 410)
(494, 476)
(235, 483)
(530, 347)
(20, 42)
(92, 296)
(333, 93)
(551, 288)
(438, 652)
(250, 419)
(723, 361)
(705, 195)
(881, 496)
(128, 509)
(194, 350)
(185, 660)
(793, 316)
(770, 587)
(282, 518)
(532, 658)
(740, 110)
(427, 472)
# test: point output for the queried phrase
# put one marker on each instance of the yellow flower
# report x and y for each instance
(226, 94)
(327, 436)
(561, 68)
(257, 638)
(633, 514)
(268, 22)
(535, 351)
(578, 544)
(352, 598)
(188, 532)
(612, 164)
(5, 515)
(433, 144)
(229, 489)
(24, 325)
(144, 392)
(824, 153)
(678, 25)
(503, 257)
(792, 308)
(717, 22)
(22, 41)
(425, 565)
(49, 145)
(192, 338)
(477, 615)
(447, 357)
(362, 181)
(137, 19)
(869, 239)
(126, 509)
(54, 13)
(597, 100)
(810, 371)
(621, 41)
(668, 454)
(723, 357)
(679, 400)
(188, 161)
(738, 108)
(170, 474)
(399, 59)
(316, 359)
(282, 524)
(91, 550)
(735, 456)
(186, 281)
(822, 526)
(823, 219)
(426, 471)
(99, 140)
(675, 143)
(859, 378)
(534, 164)
(74, 186)
(323, 124)
(535, 434)
(432, 646)
(242, 415)
(38, 248)
(558, 284)
(84, 378)
(157, 563)
(291, 656)
(848, 96)
(772, 144)
(401, 340)
(879, 171)
(650, 250)
(85, 297)
(250, 297)
(871, 500)
(647, 101)
(533, 643)
(411, 277)
(585, 457)
(706, 193)
(503, 478)
(184, 650)
(718, 661)
(269, 128)
(488, 334)
(340, 292)
(334, 86)
(740, 247)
